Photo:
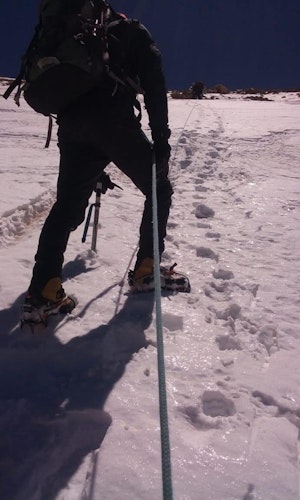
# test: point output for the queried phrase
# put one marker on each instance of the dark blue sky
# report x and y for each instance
(236, 42)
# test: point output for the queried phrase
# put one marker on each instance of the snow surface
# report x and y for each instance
(79, 402)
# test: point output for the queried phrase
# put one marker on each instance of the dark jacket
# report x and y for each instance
(142, 60)
(133, 53)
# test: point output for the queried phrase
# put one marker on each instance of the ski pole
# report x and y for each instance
(97, 205)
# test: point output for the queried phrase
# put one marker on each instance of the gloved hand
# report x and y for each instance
(162, 151)
(106, 182)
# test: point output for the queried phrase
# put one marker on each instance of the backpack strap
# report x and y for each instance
(49, 132)
(17, 82)
(125, 80)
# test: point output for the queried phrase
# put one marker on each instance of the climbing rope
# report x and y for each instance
(175, 148)
(163, 410)
(163, 407)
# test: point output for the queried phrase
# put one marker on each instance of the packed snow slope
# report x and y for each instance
(79, 401)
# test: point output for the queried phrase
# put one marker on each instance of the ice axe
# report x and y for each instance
(104, 183)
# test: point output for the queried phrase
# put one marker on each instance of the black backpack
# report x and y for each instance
(68, 55)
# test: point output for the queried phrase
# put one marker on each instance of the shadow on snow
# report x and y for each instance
(52, 396)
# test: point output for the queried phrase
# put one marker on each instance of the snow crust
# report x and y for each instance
(79, 413)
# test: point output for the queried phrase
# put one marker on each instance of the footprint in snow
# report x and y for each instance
(204, 212)
(213, 154)
(213, 235)
(184, 164)
(206, 253)
(215, 404)
(223, 274)
(268, 337)
(228, 343)
(201, 189)
(172, 322)
(209, 163)
(203, 225)
(233, 311)
(219, 287)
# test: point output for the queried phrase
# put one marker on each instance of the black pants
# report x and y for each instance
(89, 138)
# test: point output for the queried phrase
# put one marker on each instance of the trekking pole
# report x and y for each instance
(87, 223)
(97, 205)
(103, 184)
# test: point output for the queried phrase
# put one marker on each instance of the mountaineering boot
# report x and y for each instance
(142, 278)
(52, 300)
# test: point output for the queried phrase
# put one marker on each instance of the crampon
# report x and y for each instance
(36, 313)
(170, 280)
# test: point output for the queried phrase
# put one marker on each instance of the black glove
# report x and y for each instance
(106, 183)
(162, 151)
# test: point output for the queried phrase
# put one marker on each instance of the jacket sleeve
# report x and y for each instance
(148, 67)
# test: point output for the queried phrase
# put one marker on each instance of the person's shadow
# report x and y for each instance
(52, 396)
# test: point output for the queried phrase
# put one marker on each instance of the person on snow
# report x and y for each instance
(197, 90)
(101, 127)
